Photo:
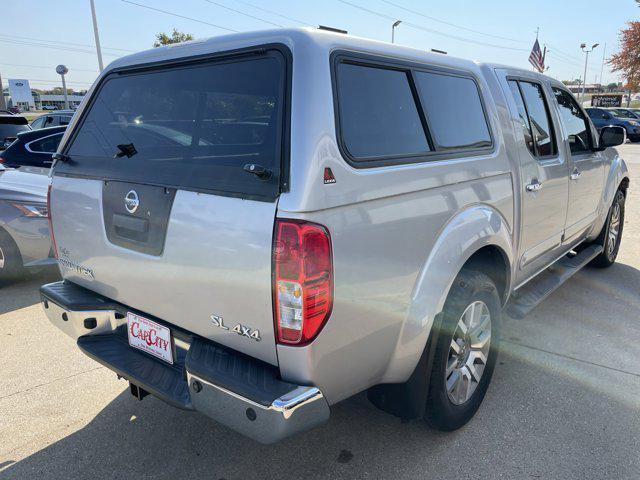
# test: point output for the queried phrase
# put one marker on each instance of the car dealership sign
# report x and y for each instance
(613, 100)
(20, 91)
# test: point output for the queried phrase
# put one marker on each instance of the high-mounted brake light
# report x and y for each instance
(54, 247)
(302, 280)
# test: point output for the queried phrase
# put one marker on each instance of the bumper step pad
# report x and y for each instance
(165, 381)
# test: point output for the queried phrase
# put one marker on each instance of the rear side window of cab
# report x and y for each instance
(395, 113)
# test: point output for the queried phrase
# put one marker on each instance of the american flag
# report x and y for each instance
(536, 59)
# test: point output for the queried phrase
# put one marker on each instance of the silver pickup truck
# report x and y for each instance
(258, 226)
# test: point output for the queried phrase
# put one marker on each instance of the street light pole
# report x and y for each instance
(586, 60)
(393, 30)
(95, 34)
(62, 71)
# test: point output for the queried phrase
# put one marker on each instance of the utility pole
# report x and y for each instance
(393, 30)
(586, 60)
(95, 34)
(3, 105)
(62, 71)
(604, 49)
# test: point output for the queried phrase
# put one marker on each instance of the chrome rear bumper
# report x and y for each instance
(238, 391)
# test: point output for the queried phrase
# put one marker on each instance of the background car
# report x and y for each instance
(602, 117)
(24, 226)
(33, 148)
(10, 126)
(625, 112)
(61, 117)
(15, 110)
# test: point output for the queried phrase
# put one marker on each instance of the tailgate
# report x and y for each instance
(156, 205)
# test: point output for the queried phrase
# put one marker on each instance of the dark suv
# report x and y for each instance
(604, 118)
(10, 126)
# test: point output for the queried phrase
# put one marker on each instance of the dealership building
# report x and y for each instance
(19, 94)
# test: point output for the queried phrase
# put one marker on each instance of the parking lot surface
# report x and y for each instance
(564, 402)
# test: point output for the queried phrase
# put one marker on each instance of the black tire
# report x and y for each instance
(442, 412)
(10, 258)
(610, 253)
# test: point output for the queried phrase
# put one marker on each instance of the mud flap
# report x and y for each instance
(408, 400)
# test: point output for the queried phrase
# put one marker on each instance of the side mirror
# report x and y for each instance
(611, 137)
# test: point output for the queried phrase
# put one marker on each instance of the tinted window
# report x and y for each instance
(539, 118)
(50, 121)
(575, 124)
(11, 130)
(378, 114)
(38, 122)
(64, 120)
(524, 118)
(46, 145)
(453, 107)
(192, 127)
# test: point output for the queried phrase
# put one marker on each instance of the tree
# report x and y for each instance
(627, 60)
(176, 37)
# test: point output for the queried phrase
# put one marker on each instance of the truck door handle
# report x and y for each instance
(534, 187)
(575, 175)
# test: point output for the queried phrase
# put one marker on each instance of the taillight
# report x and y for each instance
(303, 280)
(54, 247)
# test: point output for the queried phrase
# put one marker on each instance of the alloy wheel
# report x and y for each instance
(614, 230)
(468, 353)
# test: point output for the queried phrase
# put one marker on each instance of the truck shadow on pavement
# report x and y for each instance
(24, 292)
(547, 414)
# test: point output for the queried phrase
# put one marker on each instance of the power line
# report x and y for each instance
(63, 43)
(54, 47)
(429, 30)
(47, 68)
(245, 14)
(452, 24)
(180, 16)
(274, 13)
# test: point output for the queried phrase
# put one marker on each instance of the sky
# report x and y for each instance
(37, 35)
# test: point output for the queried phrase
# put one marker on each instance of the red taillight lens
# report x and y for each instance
(303, 280)
(53, 238)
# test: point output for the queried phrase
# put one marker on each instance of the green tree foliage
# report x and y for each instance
(176, 37)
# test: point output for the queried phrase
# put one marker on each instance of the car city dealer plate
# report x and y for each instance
(149, 337)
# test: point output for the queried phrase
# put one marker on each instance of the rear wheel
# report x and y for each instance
(10, 259)
(611, 234)
(466, 351)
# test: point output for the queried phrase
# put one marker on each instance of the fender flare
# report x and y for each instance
(618, 172)
(468, 231)
(478, 226)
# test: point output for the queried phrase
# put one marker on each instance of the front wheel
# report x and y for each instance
(466, 351)
(611, 234)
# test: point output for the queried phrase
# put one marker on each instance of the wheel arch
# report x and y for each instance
(477, 237)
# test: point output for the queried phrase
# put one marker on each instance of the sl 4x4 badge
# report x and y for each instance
(242, 330)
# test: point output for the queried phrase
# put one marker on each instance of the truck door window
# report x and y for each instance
(538, 115)
(574, 122)
(524, 118)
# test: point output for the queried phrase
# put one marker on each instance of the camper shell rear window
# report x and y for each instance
(191, 125)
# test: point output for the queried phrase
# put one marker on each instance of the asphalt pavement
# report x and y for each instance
(564, 403)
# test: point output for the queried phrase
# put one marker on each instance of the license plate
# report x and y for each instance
(150, 337)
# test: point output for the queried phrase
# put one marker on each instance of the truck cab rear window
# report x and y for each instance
(191, 127)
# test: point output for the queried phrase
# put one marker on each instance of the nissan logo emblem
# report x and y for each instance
(131, 201)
